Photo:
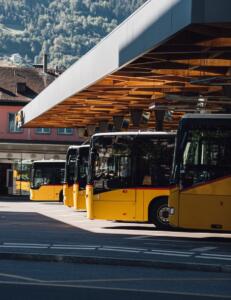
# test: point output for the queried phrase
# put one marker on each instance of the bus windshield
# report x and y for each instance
(206, 155)
(47, 174)
(82, 167)
(122, 161)
(23, 169)
(70, 165)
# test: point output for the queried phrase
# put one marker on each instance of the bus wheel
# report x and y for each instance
(158, 213)
(61, 196)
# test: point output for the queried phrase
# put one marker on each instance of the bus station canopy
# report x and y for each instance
(166, 54)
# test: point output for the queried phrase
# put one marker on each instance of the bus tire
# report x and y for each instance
(61, 196)
(158, 214)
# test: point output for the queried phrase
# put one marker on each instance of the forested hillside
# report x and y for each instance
(65, 29)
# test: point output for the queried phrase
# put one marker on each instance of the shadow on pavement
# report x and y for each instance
(14, 198)
(35, 227)
(227, 238)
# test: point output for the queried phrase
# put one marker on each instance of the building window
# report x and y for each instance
(42, 130)
(65, 131)
(12, 124)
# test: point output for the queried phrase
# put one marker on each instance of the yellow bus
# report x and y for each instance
(47, 177)
(76, 176)
(129, 175)
(69, 175)
(21, 177)
(80, 178)
(201, 198)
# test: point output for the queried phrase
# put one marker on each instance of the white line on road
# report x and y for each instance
(125, 248)
(167, 254)
(211, 257)
(172, 251)
(26, 244)
(121, 249)
(71, 248)
(180, 241)
(23, 246)
(75, 245)
(203, 249)
(19, 277)
(118, 250)
(139, 279)
(102, 288)
(219, 255)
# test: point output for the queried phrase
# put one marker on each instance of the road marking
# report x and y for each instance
(167, 254)
(118, 250)
(180, 240)
(219, 255)
(19, 277)
(150, 291)
(172, 251)
(23, 246)
(75, 245)
(203, 249)
(26, 244)
(138, 279)
(215, 257)
(121, 249)
(72, 248)
(125, 248)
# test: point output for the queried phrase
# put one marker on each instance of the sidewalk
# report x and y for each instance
(114, 260)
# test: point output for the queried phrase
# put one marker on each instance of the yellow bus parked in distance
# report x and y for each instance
(47, 178)
(21, 177)
(80, 177)
(129, 176)
(76, 176)
(201, 198)
(70, 164)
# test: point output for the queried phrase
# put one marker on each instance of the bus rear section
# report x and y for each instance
(129, 176)
(201, 198)
(68, 186)
(80, 178)
(47, 178)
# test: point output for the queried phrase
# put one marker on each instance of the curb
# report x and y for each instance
(116, 261)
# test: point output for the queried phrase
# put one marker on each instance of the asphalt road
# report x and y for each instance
(33, 280)
(51, 228)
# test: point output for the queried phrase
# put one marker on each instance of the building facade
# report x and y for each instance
(18, 86)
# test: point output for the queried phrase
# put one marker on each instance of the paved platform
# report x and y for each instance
(51, 231)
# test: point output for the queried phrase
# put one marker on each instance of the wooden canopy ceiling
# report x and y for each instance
(196, 61)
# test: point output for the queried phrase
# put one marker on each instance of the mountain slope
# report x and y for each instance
(65, 29)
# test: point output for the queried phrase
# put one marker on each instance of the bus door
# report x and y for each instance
(115, 195)
(205, 188)
(43, 182)
(9, 180)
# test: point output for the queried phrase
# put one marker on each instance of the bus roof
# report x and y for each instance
(209, 121)
(207, 116)
(135, 133)
(49, 161)
(73, 147)
(24, 161)
(78, 146)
